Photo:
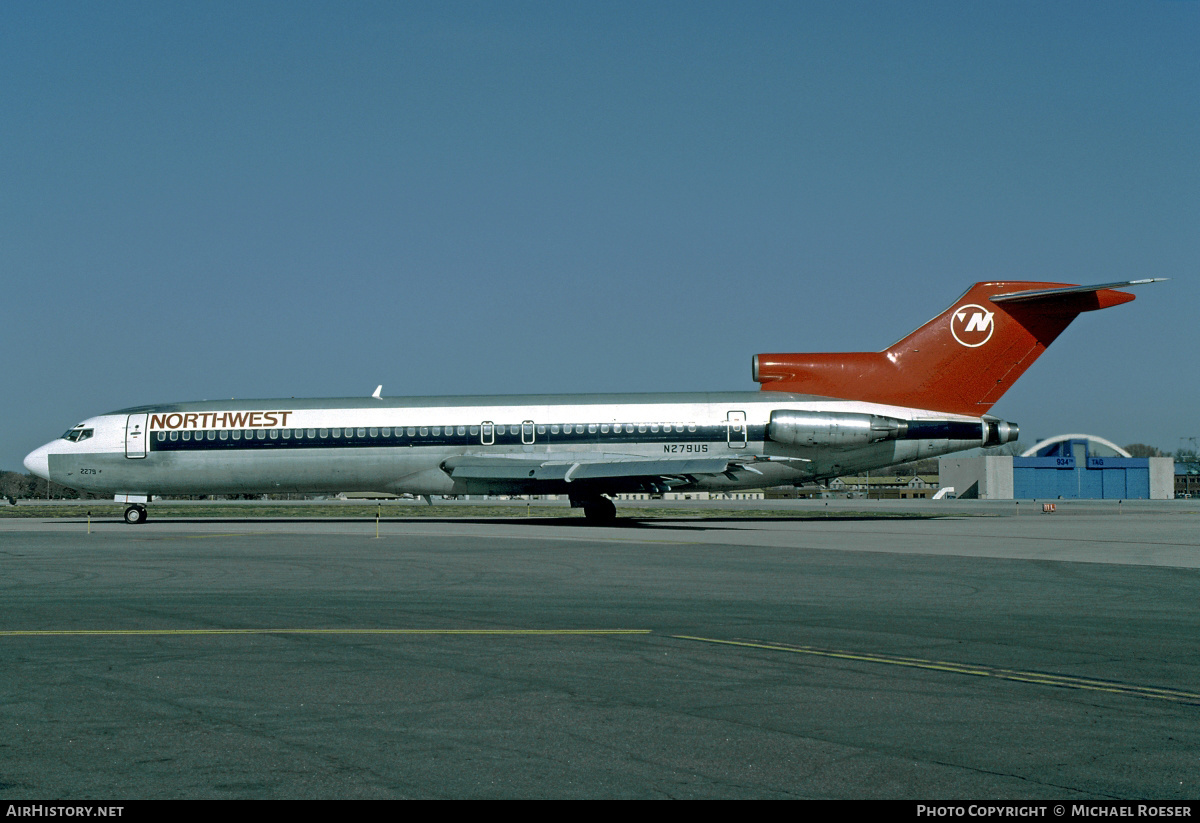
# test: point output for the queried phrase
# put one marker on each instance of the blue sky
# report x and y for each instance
(206, 200)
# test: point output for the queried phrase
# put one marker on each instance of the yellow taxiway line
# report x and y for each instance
(1039, 678)
(176, 632)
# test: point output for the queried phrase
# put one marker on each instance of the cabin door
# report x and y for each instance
(136, 437)
(735, 429)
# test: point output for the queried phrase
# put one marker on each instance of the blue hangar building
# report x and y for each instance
(1067, 467)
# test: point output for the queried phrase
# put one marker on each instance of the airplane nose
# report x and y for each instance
(38, 461)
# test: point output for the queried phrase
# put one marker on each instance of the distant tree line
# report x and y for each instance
(15, 486)
(1185, 455)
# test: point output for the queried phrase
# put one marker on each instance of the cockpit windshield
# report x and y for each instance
(78, 433)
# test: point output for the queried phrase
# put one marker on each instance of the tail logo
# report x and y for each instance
(972, 325)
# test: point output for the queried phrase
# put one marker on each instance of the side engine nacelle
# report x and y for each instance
(850, 429)
(825, 429)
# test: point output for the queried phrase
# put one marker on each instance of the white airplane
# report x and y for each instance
(816, 416)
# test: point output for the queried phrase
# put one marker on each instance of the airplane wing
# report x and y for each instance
(593, 467)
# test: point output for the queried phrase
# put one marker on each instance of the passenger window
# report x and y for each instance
(691, 427)
(287, 434)
(237, 434)
(554, 429)
(591, 428)
(653, 427)
(424, 431)
(474, 430)
(462, 430)
(374, 432)
(642, 428)
(162, 436)
(187, 435)
(412, 432)
(541, 429)
(387, 431)
(604, 428)
(224, 434)
(174, 435)
(274, 434)
(211, 435)
(262, 434)
(362, 432)
(324, 433)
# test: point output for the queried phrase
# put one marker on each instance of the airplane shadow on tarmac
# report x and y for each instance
(621, 523)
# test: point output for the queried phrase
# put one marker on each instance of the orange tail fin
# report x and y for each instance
(960, 362)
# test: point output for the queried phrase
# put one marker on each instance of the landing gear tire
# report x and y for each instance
(135, 515)
(600, 510)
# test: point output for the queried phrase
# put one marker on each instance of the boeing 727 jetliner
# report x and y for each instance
(817, 416)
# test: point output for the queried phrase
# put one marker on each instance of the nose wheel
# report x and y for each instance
(135, 515)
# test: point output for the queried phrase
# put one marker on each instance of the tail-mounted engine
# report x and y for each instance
(826, 429)
(998, 432)
(848, 429)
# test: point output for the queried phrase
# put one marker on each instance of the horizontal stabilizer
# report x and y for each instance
(1050, 294)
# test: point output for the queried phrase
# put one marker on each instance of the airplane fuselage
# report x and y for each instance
(443, 445)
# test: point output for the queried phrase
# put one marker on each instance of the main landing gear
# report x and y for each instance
(596, 510)
(135, 514)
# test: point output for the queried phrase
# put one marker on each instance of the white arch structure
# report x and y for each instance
(1032, 452)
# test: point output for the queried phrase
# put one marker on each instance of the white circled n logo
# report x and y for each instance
(972, 325)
